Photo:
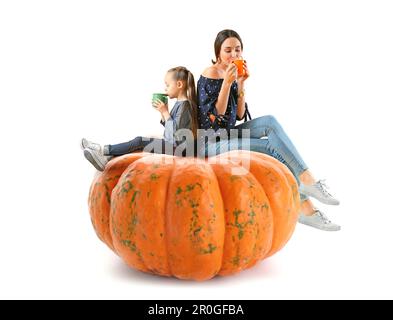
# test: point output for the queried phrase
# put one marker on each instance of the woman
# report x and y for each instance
(221, 101)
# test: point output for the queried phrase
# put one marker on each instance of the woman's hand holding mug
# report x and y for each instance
(242, 70)
(230, 74)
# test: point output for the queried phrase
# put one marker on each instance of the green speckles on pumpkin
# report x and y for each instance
(133, 247)
(236, 261)
(134, 197)
(234, 178)
(112, 178)
(129, 244)
(236, 213)
(241, 226)
(191, 187)
(194, 219)
(126, 187)
(154, 177)
(211, 248)
(265, 206)
(194, 204)
(107, 194)
(252, 215)
(196, 231)
(268, 173)
(132, 226)
(251, 183)
(179, 191)
(115, 230)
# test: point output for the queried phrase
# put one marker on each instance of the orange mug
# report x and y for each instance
(240, 67)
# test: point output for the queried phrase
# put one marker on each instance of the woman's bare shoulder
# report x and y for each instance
(212, 72)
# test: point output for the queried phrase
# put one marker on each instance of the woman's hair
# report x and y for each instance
(183, 74)
(221, 37)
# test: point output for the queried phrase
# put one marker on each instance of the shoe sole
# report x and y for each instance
(89, 156)
(82, 144)
(320, 227)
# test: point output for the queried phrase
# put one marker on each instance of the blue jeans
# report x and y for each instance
(275, 143)
(138, 144)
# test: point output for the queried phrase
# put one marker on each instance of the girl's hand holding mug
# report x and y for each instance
(160, 106)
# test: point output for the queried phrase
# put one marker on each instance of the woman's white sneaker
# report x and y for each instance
(318, 220)
(318, 191)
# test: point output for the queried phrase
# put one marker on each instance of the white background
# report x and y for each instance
(73, 69)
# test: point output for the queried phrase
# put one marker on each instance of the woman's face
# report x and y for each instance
(172, 87)
(231, 49)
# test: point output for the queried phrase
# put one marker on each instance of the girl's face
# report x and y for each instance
(172, 87)
(231, 49)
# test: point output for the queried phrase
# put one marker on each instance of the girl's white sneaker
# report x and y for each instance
(86, 144)
(97, 159)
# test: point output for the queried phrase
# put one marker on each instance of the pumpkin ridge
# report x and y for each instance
(284, 176)
(153, 177)
(223, 206)
(236, 255)
(295, 205)
(165, 217)
(142, 260)
(268, 200)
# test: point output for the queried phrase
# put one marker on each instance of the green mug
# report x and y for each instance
(161, 97)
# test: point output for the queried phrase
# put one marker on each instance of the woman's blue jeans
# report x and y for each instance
(265, 136)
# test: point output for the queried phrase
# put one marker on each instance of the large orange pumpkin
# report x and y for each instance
(192, 218)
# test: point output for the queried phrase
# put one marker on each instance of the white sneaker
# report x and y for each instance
(86, 144)
(318, 220)
(96, 158)
(319, 192)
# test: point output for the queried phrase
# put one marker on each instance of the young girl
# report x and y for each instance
(179, 84)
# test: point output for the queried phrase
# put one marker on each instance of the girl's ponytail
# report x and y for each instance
(192, 97)
(183, 74)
